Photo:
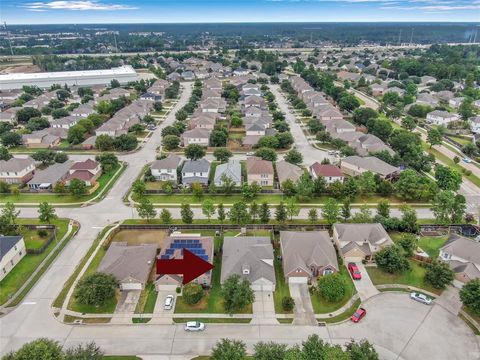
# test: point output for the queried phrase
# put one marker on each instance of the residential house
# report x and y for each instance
(12, 250)
(474, 124)
(47, 178)
(202, 121)
(166, 169)
(306, 255)
(188, 75)
(40, 139)
(173, 247)
(356, 165)
(131, 265)
(396, 90)
(251, 257)
(378, 89)
(9, 115)
(259, 171)
(16, 171)
(83, 110)
(358, 242)
(287, 171)
(463, 257)
(440, 117)
(329, 172)
(66, 122)
(200, 136)
(232, 170)
(150, 96)
(196, 171)
(456, 102)
(427, 80)
(87, 171)
(444, 95)
(426, 99)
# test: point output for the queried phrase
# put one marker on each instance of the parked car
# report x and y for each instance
(168, 302)
(467, 160)
(359, 315)
(251, 153)
(424, 299)
(353, 268)
(194, 326)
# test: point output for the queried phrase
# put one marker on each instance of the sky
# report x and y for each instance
(200, 11)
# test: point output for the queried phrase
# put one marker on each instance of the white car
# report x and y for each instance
(467, 160)
(194, 326)
(251, 153)
(168, 302)
(424, 299)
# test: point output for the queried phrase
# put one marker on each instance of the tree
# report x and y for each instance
(46, 212)
(289, 188)
(60, 157)
(434, 136)
(11, 139)
(76, 134)
(77, 187)
(104, 143)
(254, 211)
(363, 216)
(409, 123)
(89, 351)
(447, 178)
(166, 216)
(250, 191)
(239, 214)
(383, 208)
(470, 295)
(391, 260)
(59, 113)
(294, 157)
(362, 115)
(292, 208)
(362, 350)
(332, 287)
(236, 293)
(266, 154)
(35, 124)
(439, 274)
(192, 293)
(208, 209)
(466, 109)
(408, 242)
(157, 106)
(331, 211)
(26, 113)
(146, 209)
(222, 154)
(305, 187)
(281, 212)
(45, 156)
(313, 215)
(171, 142)
(42, 348)
(108, 161)
(139, 188)
(269, 351)
(227, 349)
(448, 207)
(264, 213)
(195, 152)
(4, 154)
(219, 137)
(412, 186)
(345, 211)
(96, 289)
(288, 303)
(186, 214)
(366, 183)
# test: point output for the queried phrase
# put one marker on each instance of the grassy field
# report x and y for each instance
(148, 298)
(119, 357)
(213, 320)
(23, 198)
(30, 262)
(281, 287)
(432, 244)
(414, 277)
(33, 240)
(343, 316)
(321, 306)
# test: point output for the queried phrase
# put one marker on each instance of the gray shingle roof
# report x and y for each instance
(231, 169)
(170, 162)
(8, 242)
(201, 165)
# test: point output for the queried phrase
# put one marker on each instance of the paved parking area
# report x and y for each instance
(128, 302)
(264, 308)
(303, 310)
(364, 286)
(162, 316)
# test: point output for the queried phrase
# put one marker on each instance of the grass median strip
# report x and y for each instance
(214, 320)
(343, 316)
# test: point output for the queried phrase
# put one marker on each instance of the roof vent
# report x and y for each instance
(245, 269)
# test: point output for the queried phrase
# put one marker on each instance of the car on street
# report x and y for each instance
(467, 160)
(353, 269)
(424, 299)
(168, 302)
(194, 326)
(358, 315)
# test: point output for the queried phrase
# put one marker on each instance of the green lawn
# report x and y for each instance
(33, 240)
(65, 198)
(285, 321)
(281, 287)
(148, 298)
(460, 139)
(30, 262)
(321, 306)
(119, 357)
(414, 277)
(213, 320)
(343, 316)
(432, 244)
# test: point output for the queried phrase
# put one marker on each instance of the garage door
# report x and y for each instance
(298, 280)
(263, 288)
(131, 286)
(354, 259)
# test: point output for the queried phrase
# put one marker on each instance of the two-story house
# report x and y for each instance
(196, 171)
(259, 171)
(12, 250)
(166, 169)
(16, 171)
(463, 257)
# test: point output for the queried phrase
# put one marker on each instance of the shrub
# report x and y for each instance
(192, 293)
(331, 287)
(288, 303)
(42, 233)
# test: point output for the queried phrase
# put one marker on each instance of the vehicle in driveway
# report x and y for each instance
(194, 326)
(358, 315)
(168, 302)
(424, 299)
(250, 153)
(353, 269)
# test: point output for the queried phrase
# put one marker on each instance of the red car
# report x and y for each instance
(353, 268)
(359, 314)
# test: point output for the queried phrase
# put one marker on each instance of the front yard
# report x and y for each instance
(414, 277)
(281, 287)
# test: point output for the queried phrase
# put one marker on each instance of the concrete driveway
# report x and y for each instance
(162, 316)
(364, 287)
(450, 300)
(303, 310)
(264, 308)
(128, 302)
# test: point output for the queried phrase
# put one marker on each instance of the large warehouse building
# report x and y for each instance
(123, 74)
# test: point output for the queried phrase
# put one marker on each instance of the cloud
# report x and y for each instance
(75, 5)
(434, 8)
